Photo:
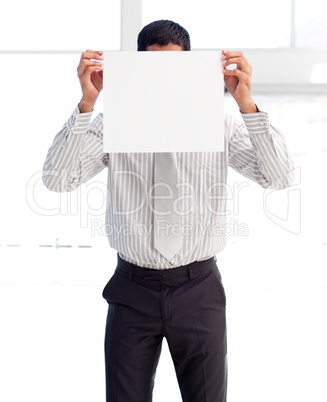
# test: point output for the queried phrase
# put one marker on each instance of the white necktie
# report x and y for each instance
(167, 236)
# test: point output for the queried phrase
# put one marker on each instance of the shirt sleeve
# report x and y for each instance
(258, 151)
(76, 153)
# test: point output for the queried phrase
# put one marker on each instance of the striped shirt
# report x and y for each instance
(253, 148)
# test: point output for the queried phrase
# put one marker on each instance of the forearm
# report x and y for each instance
(86, 105)
(61, 167)
(248, 106)
(274, 160)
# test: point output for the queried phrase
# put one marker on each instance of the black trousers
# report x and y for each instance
(184, 304)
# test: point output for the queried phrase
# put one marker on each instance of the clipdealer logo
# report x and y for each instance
(88, 201)
(138, 229)
(283, 207)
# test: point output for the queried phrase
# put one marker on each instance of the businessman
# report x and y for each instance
(167, 284)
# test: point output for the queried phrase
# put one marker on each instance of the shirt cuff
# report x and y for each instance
(78, 122)
(256, 123)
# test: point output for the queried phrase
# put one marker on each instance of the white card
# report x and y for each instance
(163, 101)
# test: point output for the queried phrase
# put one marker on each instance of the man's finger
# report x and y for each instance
(228, 55)
(238, 73)
(87, 63)
(91, 69)
(99, 52)
(92, 63)
(245, 66)
(91, 54)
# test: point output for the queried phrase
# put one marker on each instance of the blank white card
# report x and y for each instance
(163, 101)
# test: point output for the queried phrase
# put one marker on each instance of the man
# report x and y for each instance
(151, 294)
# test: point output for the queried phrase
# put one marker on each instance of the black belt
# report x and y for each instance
(128, 269)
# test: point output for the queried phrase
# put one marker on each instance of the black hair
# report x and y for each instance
(162, 33)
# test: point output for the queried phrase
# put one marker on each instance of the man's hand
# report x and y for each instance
(90, 74)
(238, 81)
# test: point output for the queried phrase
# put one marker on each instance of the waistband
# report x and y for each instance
(129, 270)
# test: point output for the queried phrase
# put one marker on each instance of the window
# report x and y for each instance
(61, 25)
(311, 23)
(52, 267)
(276, 277)
(213, 24)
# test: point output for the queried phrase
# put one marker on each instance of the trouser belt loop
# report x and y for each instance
(130, 274)
(190, 273)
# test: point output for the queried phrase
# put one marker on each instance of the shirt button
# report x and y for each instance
(76, 124)
(261, 123)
